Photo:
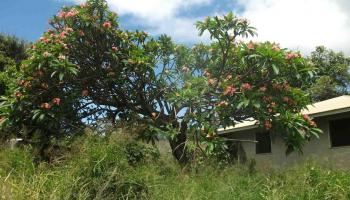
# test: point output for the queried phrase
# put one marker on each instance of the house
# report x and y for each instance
(332, 147)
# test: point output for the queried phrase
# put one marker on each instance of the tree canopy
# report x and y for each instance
(85, 67)
(333, 75)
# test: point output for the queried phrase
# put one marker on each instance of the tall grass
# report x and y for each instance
(108, 168)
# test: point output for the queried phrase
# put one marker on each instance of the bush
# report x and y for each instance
(112, 168)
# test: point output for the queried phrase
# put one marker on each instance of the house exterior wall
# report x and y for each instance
(317, 149)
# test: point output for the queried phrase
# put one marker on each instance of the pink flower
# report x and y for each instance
(291, 55)
(306, 117)
(71, 13)
(107, 24)
(56, 101)
(62, 34)
(246, 86)
(62, 14)
(115, 48)
(229, 90)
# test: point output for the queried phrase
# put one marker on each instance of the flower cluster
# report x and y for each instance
(246, 86)
(64, 15)
(292, 55)
(229, 90)
(308, 119)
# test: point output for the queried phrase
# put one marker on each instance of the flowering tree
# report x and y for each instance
(86, 68)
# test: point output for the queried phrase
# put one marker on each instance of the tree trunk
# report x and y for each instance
(178, 145)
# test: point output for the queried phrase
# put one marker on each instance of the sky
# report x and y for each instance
(295, 24)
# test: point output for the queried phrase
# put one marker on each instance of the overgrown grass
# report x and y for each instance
(117, 168)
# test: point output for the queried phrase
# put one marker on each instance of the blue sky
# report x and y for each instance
(297, 24)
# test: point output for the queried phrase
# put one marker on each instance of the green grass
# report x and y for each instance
(97, 168)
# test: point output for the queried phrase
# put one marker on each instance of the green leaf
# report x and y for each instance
(60, 76)
(275, 69)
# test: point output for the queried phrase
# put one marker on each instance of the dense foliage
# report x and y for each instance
(86, 68)
(333, 75)
(12, 52)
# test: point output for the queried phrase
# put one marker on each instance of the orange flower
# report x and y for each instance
(228, 77)
(56, 101)
(27, 84)
(222, 103)
(45, 106)
(206, 73)
(18, 94)
(251, 45)
(212, 81)
(275, 47)
(154, 115)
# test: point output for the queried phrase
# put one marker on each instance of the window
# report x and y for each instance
(339, 131)
(263, 144)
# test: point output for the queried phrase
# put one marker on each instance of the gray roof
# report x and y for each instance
(323, 108)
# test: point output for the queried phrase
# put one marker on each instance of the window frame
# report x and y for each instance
(256, 144)
(330, 135)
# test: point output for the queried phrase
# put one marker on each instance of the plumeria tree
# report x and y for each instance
(86, 68)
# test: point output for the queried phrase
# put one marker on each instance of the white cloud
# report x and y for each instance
(162, 16)
(296, 24)
(301, 24)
